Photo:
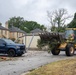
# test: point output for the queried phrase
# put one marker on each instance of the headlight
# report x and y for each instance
(17, 47)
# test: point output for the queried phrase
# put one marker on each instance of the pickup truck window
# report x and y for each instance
(2, 42)
(9, 41)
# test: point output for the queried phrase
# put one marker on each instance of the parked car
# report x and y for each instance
(11, 48)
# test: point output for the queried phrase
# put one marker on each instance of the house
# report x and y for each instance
(16, 34)
(36, 31)
(4, 32)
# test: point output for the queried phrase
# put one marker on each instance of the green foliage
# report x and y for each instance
(31, 25)
(58, 29)
(41, 43)
(53, 29)
(16, 21)
(72, 24)
(61, 29)
(75, 16)
(27, 26)
(0, 23)
(51, 44)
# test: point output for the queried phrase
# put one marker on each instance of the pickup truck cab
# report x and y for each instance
(11, 48)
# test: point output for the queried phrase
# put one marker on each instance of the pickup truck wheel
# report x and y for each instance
(70, 50)
(11, 53)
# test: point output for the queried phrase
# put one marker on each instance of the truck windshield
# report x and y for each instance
(9, 41)
(68, 33)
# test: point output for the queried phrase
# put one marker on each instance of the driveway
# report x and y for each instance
(29, 61)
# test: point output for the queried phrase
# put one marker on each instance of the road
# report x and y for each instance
(29, 61)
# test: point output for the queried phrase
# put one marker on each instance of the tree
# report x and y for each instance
(58, 18)
(75, 16)
(72, 24)
(27, 26)
(16, 21)
(31, 25)
(0, 23)
(56, 29)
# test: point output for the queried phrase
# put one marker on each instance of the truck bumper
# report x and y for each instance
(21, 52)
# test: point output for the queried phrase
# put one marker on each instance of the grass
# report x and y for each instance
(64, 67)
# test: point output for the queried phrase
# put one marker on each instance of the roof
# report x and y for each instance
(15, 29)
(3, 28)
(36, 31)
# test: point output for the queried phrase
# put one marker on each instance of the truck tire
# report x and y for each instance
(11, 53)
(55, 51)
(70, 50)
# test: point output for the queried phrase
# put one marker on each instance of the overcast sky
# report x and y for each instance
(35, 10)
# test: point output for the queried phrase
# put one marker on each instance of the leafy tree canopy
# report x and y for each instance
(27, 26)
(56, 29)
(16, 21)
(0, 23)
(72, 24)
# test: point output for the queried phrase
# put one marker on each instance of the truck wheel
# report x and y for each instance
(11, 53)
(70, 50)
(55, 51)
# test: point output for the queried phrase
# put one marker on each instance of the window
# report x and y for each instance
(1, 31)
(6, 32)
(13, 34)
(17, 34)
(22, 41)
(1, 41)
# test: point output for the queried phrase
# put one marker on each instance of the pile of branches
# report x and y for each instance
(50, 39)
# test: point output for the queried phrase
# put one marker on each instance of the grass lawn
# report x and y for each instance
(63, 67)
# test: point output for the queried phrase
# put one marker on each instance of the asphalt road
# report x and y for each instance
(29, 61)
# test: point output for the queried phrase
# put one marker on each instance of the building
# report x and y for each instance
(4, 32)
(16, 34)
(36, 31)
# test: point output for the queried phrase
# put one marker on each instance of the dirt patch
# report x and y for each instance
(7, 59)
(64, 67)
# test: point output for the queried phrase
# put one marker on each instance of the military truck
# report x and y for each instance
(61, 41)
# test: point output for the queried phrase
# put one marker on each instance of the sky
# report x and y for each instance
(33, 10)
